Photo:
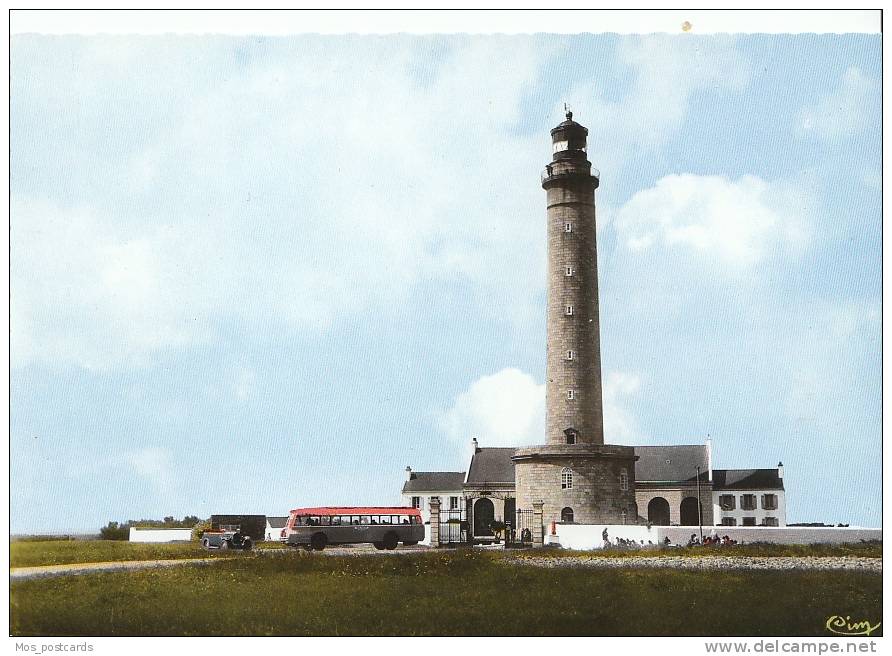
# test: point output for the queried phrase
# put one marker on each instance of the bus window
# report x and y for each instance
(365, 520)
(385, 519)
(404, 519)
(355, 519)
(336, 521)
(345, 519)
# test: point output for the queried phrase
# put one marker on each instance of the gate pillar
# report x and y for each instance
(435, 522)
(538, 538)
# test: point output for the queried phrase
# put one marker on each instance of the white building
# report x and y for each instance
(749, 497)
(160, 534)
(420, 487)
(274, 526)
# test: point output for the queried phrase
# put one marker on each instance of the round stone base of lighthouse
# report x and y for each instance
(582, 483)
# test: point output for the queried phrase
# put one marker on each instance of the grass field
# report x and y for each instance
(29, 554)
(436, 593)
(32, 553)
(753, 549)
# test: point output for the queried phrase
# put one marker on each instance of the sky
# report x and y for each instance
(255, 273)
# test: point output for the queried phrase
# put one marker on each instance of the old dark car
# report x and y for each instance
(226, 538)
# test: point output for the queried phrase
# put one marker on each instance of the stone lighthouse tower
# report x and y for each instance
(574, 474)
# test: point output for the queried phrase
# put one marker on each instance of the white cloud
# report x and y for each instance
(297, 194)
(664, 74)
(620, 424)
(737, 223)
(844, 111)
(507, 408)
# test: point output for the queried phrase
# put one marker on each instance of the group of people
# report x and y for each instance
(711, 541)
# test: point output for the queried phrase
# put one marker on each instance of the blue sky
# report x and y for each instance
(303, 263)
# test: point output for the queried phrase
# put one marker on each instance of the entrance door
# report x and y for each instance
(484, 514)
(658, 511)
(689, 512)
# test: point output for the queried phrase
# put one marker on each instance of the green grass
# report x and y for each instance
(757, 549)
(30, 554)
(436, 593)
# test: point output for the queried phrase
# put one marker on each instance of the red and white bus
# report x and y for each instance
(384, 526)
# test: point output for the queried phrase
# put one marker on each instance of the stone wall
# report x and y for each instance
(595, 497)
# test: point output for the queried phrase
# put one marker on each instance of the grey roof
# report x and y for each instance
(492, 465)
(434, 481)
(276, 522)
(677, 464)
(746, 479)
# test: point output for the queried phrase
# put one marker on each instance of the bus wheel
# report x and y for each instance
(378, 545)
(308, 546)
(390, 541)
(319, 541)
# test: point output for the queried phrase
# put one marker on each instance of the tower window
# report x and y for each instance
(568, 271)
(571, 435)
(571, 395)
(623, 480)
(570, 355)
(566, 478)
(569, 311)
(568, 227)
(567, 515)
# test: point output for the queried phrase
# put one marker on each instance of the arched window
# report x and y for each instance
(623, 480)
(566, 478)
(571, 435)
(567, 515)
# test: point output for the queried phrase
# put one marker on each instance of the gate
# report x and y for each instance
(453, 527)
(520, 533)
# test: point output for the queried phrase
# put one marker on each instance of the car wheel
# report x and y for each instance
(319, 541)
(390, 541)
(206, 543)
(378, 545)
(246, 545)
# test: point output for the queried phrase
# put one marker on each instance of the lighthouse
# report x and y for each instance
(574, 474)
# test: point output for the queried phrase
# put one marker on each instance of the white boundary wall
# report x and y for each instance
(160, 534)
(588, 536)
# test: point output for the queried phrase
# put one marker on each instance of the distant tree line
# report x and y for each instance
(116, 531)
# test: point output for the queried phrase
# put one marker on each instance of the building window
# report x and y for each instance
(416, 502)
(568, 271)
(748, 501)
(569, 355)
(623, 480)
(571, 436)
(749, 521)
(569, 310)
(568, 227)
(566, 478)
(567, 515)
(727, 502)
(769, 502)
(571, 395)
(769, 521)
(729, 521)
(453, 503)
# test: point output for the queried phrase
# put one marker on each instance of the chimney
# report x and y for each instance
(474, 442)
(408, 473)
(709, 455)
(780, 470)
